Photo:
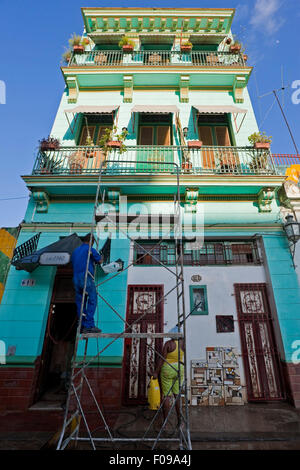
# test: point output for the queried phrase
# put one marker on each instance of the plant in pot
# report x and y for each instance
(186, 47)
(50, 143)
(111, 140)
(77, 161)
(90, 153)
(186, 164)
(47, 164)
(126, 44)
(76, 44)
(261, 142)
(236, 46)
(66, 57)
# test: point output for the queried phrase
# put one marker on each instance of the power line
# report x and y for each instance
(12, 198)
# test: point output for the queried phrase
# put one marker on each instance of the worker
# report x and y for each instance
(168, 368)
(79, 261)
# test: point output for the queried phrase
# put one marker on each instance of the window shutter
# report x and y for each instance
(222, 134)
(163, 135)
(208, 158)
(146, 135)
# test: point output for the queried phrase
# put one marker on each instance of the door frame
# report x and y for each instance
(267, 318)
(127, 342)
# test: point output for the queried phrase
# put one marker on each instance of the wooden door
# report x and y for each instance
(208, 158)
(228, 158)
(259, 350)
(145, 313)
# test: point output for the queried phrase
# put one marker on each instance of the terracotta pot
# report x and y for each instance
(195, 144)
(228, 41)
(262, 145)
(127, 48)
(90, 153)
(78, 49)
(48, 146)
(235, 48)
(114, 143)
(186, 48)
(186, 166)
(245, 57)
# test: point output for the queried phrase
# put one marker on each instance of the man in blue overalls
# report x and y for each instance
(79, 261)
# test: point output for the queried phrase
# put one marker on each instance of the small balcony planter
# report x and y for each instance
(186, 166)
(127, 48)
(186, 47)
(49, 144)
(115, 144)
(78, 49)
(195, 144)
(235, 48)
(262, 145)
(245, 57)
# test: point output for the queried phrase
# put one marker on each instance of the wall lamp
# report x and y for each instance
(292, 230)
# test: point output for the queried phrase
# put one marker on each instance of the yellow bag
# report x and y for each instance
(153, 394)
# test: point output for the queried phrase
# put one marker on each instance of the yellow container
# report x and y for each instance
(153, 394)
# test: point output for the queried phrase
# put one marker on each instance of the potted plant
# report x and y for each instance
(67, 56)
(111, 140)
(90, 153)
(50, 143)
(77, 161)
(126, 44)
(76, 43)
(47, 164)
(195, 144)
(85, 41)
(186, 47)
(260, 140)
(236, 46)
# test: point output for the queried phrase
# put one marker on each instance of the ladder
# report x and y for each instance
(75, 413)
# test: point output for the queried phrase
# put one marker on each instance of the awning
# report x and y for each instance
(219, 109)
(214, 109)
(92, 109)
(148, 109)
(89, 110)
(56, 254)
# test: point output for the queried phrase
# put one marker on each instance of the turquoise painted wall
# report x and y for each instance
(24, 310)
(286, 290)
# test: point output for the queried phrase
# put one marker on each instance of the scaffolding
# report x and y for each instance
(75, 414)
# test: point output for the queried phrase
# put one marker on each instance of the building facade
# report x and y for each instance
(187, 116)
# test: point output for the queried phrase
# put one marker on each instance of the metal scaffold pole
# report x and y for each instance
(75, 415)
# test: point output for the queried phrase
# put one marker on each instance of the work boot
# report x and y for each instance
(94, 329)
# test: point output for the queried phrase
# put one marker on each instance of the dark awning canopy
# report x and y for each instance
(56, 254)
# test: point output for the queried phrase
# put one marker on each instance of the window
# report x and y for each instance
(198, 300)
(210, 254)
(94, 126)
(155, 129)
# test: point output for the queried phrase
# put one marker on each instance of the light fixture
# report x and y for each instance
(185, 131)
(292, 230)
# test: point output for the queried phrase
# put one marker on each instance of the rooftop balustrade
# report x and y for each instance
(157, 58)
(206, 160)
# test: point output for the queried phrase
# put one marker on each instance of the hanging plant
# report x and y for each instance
(49, 143)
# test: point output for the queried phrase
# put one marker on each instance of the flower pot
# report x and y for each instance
(48, 146)
(114, 144)
(228, 41)
(245, 57)
(195, 144)
(262, 145)
(78, 49)
(127, 48)
(235, 48)
(186, 165)
(90, 153)
(186, 49)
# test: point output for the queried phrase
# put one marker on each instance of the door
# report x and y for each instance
(205, 135)
(227, 158)
(156, 137)
(260, 354)
(59, 338)
(145, 313)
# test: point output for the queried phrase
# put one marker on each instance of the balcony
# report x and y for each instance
(207, 160)
(157, 59)
(284, 161)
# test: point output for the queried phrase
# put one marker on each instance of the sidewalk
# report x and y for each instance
(252, 426)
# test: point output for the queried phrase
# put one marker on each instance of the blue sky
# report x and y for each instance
(34, 35)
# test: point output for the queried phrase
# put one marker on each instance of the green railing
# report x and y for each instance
(155, 159)
(157, 58)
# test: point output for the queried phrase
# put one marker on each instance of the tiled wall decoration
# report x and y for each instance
(216, 381)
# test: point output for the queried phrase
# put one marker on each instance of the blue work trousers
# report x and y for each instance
(90, 302)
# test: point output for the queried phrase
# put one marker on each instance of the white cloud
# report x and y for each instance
(266, 16)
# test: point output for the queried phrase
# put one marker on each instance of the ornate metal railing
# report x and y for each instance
(155, 159)
(157, 58)
(283, 160)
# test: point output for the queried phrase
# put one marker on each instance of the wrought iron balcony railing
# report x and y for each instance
(283, 161)
(157, 58)
(155, 159)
